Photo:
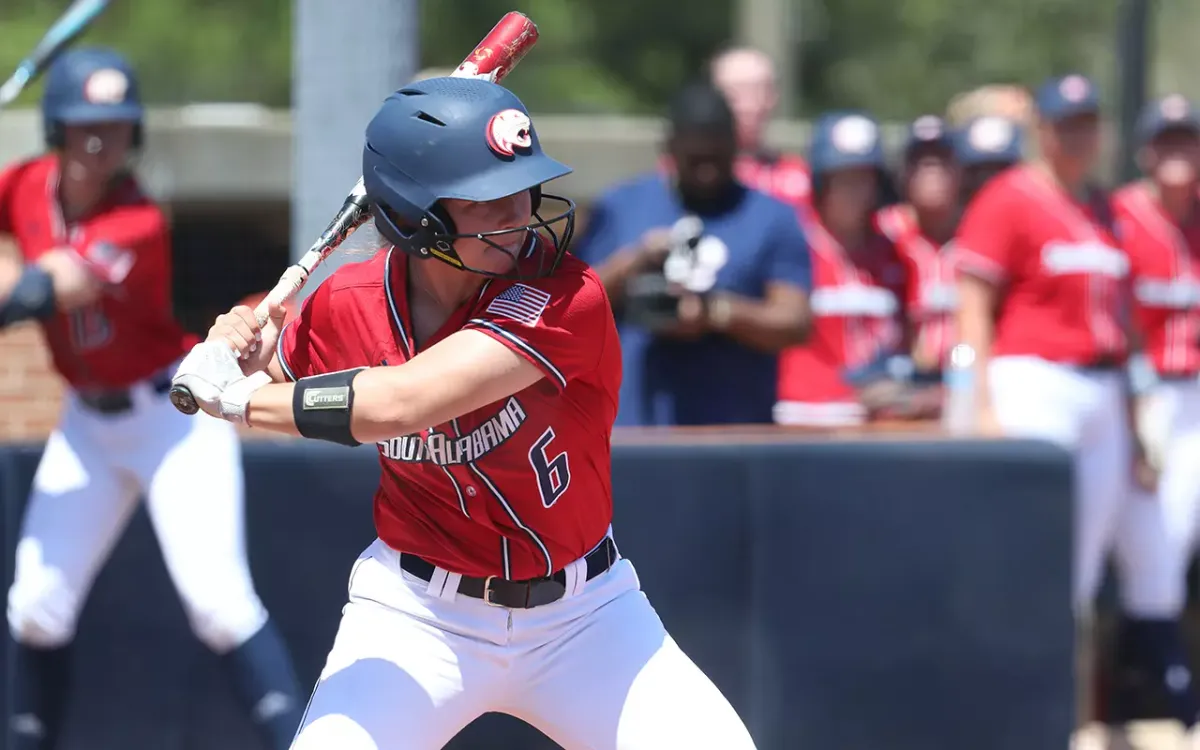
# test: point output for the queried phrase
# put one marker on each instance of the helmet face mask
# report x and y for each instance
(465, 140)
(544, 239)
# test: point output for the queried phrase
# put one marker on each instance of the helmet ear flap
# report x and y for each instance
(535, 195)
(441, 214)
(416, 239)
(54, 134)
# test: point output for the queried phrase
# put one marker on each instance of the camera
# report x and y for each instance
(652, 297)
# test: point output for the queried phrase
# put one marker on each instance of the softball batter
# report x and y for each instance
(483, 361)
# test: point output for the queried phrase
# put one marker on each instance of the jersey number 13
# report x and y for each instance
(90, 328)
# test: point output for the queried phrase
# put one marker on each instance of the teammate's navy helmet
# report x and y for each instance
(847, 140)
(927, 131)
(89, 85)
(990, 139)
(463, 139)
(1173, 112)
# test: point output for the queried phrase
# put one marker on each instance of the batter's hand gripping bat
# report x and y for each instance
(492, 60)
(65, 30)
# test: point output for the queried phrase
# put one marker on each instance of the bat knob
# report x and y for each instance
(182, 399)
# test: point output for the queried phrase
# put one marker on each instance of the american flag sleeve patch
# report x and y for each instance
(521, 303)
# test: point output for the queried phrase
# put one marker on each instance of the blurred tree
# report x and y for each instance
(900, 59)
(897, 58)
(185, 50)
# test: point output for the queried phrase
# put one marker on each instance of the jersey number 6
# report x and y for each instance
(553, 474)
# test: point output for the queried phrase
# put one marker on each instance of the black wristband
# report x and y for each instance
(32, 298)
(322, 405)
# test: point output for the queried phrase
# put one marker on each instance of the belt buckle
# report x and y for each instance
(487, 592)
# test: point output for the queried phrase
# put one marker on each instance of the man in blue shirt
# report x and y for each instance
(708, 278)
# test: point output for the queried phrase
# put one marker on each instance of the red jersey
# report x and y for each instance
(518, 488)
(1165, 271)
(857, 304)
(782, 176)
(1057, 265)
(130, 332)
(932, 295)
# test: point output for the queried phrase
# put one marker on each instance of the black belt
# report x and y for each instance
(1103, 364)
(120, 400)
(501, 592)
(927, 377)
(1178, 377)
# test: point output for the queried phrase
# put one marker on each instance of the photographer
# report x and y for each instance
(707, 277)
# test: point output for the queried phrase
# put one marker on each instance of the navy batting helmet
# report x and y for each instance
(926, 132)
(89, 85)
(988, 140)
(1170, 113)
(848, 140)
(462, 139)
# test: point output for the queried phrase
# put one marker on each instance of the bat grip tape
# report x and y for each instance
(322, 406)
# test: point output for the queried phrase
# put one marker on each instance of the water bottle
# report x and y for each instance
(959, 402)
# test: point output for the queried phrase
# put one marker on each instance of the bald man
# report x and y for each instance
(747, 78)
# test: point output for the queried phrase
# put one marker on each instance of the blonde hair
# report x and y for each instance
(1004, 100)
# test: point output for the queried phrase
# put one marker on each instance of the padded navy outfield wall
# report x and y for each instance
(843, 594)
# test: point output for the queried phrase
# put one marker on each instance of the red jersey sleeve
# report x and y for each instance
(308, 344)
(8, 182)
(985, 243)
(559, 323)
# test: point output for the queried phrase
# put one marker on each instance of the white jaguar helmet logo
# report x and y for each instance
(509, 130)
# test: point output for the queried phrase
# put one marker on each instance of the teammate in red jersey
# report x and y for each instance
(747, 78)
(1041, 295)
(483, 361)
(97, 276)
(1159, 222)
(922, 228)
(839, 377)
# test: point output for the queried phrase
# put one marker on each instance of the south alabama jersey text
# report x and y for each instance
(446, 450)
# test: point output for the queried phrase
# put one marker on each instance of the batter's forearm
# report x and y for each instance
(270, 408)
(275, 370)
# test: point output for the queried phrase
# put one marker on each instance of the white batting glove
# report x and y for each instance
(213, 375)
(236, 397)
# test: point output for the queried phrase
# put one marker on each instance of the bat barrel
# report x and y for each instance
(501, 49)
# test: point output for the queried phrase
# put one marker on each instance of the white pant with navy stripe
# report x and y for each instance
(1159, 532)
(414, 663)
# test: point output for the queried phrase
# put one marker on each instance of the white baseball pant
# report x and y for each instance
(414, 663)
(92, 471)
(1159, 532)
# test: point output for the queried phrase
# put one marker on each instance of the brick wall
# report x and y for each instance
(30, 390)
